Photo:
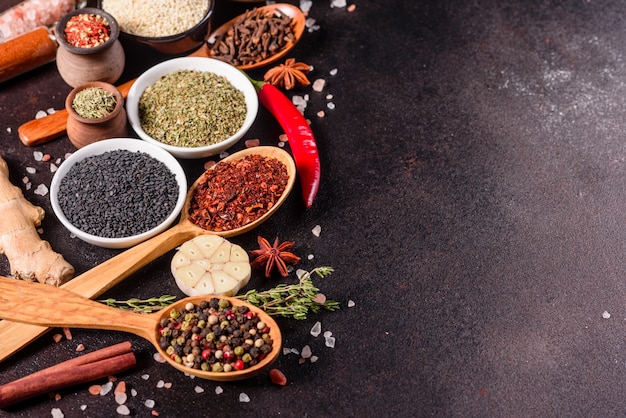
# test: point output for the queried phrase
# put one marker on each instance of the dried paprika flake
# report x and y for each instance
(234, 193)
(87, 30)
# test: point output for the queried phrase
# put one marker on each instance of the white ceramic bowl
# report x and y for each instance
(100, 147)
(234, 76)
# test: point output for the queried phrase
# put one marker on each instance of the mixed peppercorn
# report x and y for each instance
(215, 336)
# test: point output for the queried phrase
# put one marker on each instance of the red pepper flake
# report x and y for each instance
(87, 30)
(235, 193)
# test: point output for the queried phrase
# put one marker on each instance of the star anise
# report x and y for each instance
(288, 75)
(270, 256)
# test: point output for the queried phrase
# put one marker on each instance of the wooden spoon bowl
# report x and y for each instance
(38, 304)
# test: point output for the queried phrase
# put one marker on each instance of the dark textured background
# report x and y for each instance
(472, 205)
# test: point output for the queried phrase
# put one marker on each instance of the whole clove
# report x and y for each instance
(255, 36)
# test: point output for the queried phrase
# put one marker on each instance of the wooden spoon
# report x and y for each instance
(39, 304)
(104, 276)
(40, 131)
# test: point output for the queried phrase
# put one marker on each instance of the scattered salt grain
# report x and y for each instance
(299, 101)
(67, 332)
(29, 185)
(330, 105)
(286, 351)
(41, 114)
(306, 351)
(106, 388)
(167, 385)
(120, 388)
(319, 84)
(327, 334)
(83, 407)
(133, 392)
(333, 71)
(120, 398)
(9, 130)
(330, 342)
(351, 303)
(283, 138)
(321, 114)
(317, 230)
(309, 23)
(41, 190)
(37, 155)
(123, 410)
(281, 144)
(606, 315)
(53, 168)
(223, 154)
(56, 413)
(149, 403)
(31, 170)
(243, 397)
(314, 359)
(329, 97)
(305, 5)
(338, 3)
(57, 338)
(51, 111)
(158, 358)
(145, 376)
(317, 328)
(67, 155)
(80, 347)
(252, 143)
(160, 384)
(25, 180)
(219, 390)
(198, 389)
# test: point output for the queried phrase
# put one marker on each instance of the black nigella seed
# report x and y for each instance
(118, 194)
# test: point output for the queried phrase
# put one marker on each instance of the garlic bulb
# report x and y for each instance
(210, 265)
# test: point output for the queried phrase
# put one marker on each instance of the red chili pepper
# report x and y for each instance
(301, 139)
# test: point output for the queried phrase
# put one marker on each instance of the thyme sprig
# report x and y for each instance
(141, 305)
(293, 300)
(286, 300)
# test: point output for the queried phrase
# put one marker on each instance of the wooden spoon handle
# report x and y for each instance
(40, 304)
(99, 279)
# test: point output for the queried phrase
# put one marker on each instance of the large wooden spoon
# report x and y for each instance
(103, 277)
(40, 131)
(39, 304)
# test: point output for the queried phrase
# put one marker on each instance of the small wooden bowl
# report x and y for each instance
(83, 131)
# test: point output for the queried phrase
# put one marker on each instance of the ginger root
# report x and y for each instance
(30, 257)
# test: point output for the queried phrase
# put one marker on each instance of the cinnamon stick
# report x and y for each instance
(95, 365)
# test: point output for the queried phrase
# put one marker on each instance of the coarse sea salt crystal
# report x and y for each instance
(317, 230)
(219, 390)
(41, 114)
(38, 155)
(160, 384)
(120, 398)
(606, 315)
(330, 342)
(319, 84)
(305, 5)
(31, 170)
(306, 351)
(351, 303)
(330, 105)
(133, 392)
(313, 359)
(106, 388)
(25, 180)
(83, 407)
(41, 190)
(310, 257)
(56, 413)
(198, 389)
(316, 329)
(149, 403)
(158, 358)
(338, 3)
(243, 397)
(145, 376)
(333, 71)
(9, 129)
(123, 410)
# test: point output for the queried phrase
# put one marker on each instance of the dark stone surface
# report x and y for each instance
(472, 206)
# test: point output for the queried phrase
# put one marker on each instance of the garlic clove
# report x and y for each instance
(208, 244)
(225, 284)
(222, 253)
(190, 275)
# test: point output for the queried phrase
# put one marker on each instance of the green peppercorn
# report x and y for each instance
(223, 303)
(217, 367)
(239, 351)
(174, 313)
(246, 358)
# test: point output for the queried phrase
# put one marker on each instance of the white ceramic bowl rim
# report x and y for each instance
(100, 147)
(237, 78)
